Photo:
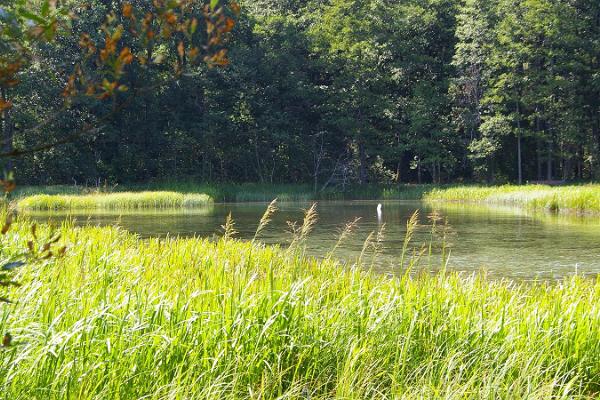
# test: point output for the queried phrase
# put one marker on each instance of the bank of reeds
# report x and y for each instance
(246, 192)
(580, 198)
(121, 317)
(114, 201)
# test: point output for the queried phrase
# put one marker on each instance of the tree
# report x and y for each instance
(475, 40)
(132, 35)
(356, 79)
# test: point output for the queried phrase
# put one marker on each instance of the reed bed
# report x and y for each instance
(579, 198)
(127, 318)
(121, 201)
(246, 192)
(582, 198)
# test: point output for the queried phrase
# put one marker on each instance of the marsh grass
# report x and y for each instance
(581, 198)
(229, 231)
(121, 317)
(266, 218)
(115, 201)
(130, 318)
(299, 232)
(344, 233)
(578, 198)
(245, 192)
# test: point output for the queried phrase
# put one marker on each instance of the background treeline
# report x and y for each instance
(333, 92)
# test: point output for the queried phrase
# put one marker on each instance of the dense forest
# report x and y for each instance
(333, 92)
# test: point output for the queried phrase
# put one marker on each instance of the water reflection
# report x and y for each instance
(505, 241)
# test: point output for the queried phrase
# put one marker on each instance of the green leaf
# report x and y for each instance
(214, 4)
(29, 15)
(45, 8)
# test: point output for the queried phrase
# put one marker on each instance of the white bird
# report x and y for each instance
(379, 211)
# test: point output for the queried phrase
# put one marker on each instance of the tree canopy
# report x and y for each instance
(322, 91)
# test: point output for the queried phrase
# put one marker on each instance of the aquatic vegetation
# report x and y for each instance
(246, 192)
(123, 317)
(580, 198)
(121, 200)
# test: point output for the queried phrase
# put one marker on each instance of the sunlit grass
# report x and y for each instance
(122, 201)
(582, 198)
(123, 317)
(246, 192)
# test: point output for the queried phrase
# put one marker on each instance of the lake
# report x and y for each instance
(506, 242)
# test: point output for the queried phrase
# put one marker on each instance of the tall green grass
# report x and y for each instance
(120, 317)
(583, 198)
(122, 201)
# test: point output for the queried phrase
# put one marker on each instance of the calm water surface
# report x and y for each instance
(505, 242)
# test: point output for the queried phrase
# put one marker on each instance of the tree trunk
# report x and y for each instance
(7, 130)
(363, 163)
(538, 152)
(549, 162)
(567, 167)
(257, 159)
(580, 160)
(519, 163)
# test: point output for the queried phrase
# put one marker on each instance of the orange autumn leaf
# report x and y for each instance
(229, 24)
(5, 105)
(194, 52)
(125, 56)
(127, 10)
(70, 89)
(8, 185)
(171, 18)
(218, 59)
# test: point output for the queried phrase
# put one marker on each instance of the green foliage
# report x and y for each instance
(37, 251)
(120, 316)
(124, 201)
(582, 199)
(326, 93)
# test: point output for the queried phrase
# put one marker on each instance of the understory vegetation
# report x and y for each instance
(583, 198)
(122, 317)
